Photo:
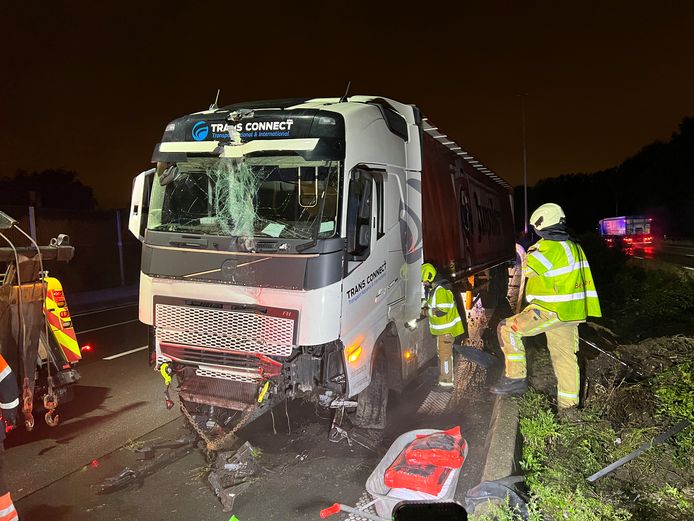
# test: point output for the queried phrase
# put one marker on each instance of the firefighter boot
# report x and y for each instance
(508, 386)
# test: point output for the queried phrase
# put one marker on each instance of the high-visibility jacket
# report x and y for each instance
(442, 300)
(559, 280)
(9, 392)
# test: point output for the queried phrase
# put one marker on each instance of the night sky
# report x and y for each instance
(89, 88)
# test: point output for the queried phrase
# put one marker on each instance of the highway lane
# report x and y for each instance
(109, 332)
(680, 254)
(115, 401)
(677, 254)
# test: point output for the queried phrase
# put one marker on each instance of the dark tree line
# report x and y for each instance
(55, 188)
(657, 181)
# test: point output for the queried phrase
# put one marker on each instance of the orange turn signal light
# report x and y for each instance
(354, 353)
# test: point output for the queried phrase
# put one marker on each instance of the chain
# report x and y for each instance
(216, 444)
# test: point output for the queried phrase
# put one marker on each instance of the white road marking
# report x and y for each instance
(106, 327)
(113, 357)
(689, 254)
(688, 268)
(640, 258)
(104, 310)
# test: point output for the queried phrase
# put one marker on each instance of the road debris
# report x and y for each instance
(233, 474)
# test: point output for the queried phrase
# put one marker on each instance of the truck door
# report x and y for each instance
(364, 301)
(139, 203)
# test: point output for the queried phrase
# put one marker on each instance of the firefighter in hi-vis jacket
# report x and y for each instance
(444, 320)
(561, 295)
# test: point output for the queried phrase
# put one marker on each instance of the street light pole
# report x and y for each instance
(525, 168)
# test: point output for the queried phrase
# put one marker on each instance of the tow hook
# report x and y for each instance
(50, 403)
(166, 372)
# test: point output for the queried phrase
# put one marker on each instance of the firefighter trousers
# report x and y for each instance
(444, 344)
(562, 342)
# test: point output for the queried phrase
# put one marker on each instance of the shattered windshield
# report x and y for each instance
(270, 196)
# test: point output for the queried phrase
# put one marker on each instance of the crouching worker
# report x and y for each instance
(9, 402)
(560, 295)
(444, 320)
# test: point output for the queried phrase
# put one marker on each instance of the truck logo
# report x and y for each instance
(200, 130)
(365, 284)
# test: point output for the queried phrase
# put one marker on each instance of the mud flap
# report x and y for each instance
(372, 402)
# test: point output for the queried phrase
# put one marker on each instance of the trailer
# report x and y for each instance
(282, 248)
(630, 233)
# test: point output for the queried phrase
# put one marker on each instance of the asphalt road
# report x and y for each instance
(116, 400)
(681, 255)
(53, 473)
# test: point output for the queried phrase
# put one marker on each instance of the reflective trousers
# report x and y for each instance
(444, 343)
(562, 342)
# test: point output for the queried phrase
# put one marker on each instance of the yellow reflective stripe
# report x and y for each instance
(446, 325)
(563, 298)
(569, 253)
(542, 259)
(566, 269)
(433, 298)
(67, 341)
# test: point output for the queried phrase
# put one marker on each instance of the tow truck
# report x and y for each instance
(37, 337)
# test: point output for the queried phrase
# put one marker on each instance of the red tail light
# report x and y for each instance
(86, 348)
(64, 314)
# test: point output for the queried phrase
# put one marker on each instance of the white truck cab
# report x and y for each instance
(283, 241)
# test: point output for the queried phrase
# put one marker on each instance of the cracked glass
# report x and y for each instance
(267, 196)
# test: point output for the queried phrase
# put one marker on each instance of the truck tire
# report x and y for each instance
(372, 402)
(494, 295)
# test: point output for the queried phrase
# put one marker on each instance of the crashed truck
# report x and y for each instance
(282, 246)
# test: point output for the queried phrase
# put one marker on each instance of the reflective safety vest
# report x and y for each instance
(443, 300)
(564, 283)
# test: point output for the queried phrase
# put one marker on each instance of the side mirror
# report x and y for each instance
(364, 236)
(139, 202)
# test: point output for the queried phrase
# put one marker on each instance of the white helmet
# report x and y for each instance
(547, 215)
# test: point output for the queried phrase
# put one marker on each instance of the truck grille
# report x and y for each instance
(244, 331)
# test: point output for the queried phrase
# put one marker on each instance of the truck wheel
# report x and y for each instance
(495, 294)
(372, 402)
